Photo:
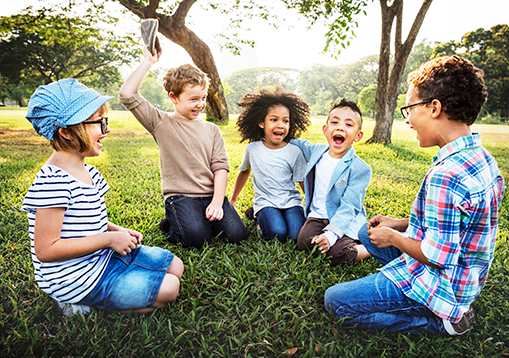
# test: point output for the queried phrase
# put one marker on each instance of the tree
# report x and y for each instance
(251, 79)
(341, 31)
(488, 50)
(174, 28)
(41, 46)
(367, 100)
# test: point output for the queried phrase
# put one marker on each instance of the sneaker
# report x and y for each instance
(72, 309)
(249, 213)
(463, 326)
(164, 225)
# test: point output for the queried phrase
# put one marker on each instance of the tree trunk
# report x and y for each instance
(388, 86)
(174, 28)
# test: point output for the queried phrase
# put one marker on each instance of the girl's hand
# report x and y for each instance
(322, 242)
(122, 242)
(135, 234)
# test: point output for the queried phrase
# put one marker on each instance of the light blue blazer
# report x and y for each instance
(346, 191)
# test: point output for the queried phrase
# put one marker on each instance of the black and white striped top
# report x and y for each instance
(85, 215)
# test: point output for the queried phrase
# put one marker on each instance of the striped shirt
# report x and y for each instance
(455, 215)
(85, 215)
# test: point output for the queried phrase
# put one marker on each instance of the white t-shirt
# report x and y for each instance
(85, 215)
(275, 172)
(324, 169)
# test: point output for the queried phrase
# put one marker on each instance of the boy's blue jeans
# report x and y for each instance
(190, 227)
(281, 223)
(374, 302)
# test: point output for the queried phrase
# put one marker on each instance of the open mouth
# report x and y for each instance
(279, 135)
(338, 139)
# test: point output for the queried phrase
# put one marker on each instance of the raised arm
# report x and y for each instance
(133, 82)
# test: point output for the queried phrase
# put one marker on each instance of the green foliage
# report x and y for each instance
(44, 45)
(251, 300)
(250, 80)
(367, 100)
(152, 89)
(488, 50)
(342, 13)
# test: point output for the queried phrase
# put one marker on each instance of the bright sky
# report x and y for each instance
(300, 48)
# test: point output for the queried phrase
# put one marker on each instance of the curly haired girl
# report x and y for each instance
(269, 119)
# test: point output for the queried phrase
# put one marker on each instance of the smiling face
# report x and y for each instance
(341, 130)
(96, 136)
(276, 126)
(419, 120)
(190, 102)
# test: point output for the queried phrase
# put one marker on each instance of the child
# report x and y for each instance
(437, 267)
(193, 160)
(269, 119)
(78, 255)
(335, 187)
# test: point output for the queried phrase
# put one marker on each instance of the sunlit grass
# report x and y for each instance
(258, 299)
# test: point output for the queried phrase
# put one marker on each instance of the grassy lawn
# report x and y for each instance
(259, 299)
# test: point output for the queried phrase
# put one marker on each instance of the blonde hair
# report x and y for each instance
(177, 78)
(79, 137)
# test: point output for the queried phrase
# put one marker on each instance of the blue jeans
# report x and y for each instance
(189, 226)
(281, 223)
(375, 302)
(131, 281)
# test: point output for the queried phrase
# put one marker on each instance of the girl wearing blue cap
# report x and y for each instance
(80, 258)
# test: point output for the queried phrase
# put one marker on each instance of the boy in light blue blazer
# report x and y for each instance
(335, 186)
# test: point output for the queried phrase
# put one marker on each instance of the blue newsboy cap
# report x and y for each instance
(61, 104)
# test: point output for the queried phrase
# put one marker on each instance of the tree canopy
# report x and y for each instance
(488, 50)
(41, 46)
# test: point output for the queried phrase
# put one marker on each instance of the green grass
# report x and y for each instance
(258, 299)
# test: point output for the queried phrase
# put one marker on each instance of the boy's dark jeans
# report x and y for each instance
(189, 226)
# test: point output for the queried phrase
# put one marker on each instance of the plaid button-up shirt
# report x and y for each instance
(455, 215)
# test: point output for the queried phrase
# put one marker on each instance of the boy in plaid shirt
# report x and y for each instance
(436, 261)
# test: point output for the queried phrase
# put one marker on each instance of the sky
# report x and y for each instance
(295, 46)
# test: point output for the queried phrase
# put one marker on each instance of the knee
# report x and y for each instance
(176, 268)
(363, 234)
(168, 291)
(327, 299)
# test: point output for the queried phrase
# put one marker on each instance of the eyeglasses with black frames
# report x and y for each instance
(405, 112)
(104, 124)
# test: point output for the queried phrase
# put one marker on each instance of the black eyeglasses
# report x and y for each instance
(404, 110)
(104, 124)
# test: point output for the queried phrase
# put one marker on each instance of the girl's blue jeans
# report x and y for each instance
(280, 223)
(375, 302)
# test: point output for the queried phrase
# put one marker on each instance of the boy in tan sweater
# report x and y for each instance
(193, 160)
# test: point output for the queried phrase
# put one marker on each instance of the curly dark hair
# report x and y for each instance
(256, 106)
(455, 82)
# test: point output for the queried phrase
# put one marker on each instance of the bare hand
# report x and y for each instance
(214, 212)
(381, 236)
(135, 234)
(322, 242)
(122, 242)
(233, 202)
(155, 56)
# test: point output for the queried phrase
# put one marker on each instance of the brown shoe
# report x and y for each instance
(463, 326)
(249, 213)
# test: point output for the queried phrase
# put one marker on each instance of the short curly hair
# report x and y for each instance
(256, 106)
(455, 82)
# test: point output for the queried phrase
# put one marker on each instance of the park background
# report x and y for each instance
(260, 298)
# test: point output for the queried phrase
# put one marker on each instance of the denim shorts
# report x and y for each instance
(131, 281)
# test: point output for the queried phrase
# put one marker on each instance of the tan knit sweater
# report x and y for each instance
(190, 151)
